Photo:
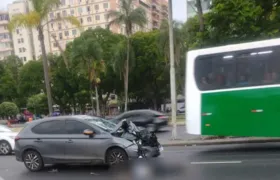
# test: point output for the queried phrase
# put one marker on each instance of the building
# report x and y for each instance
(192, 10)
(25, 40)
(159, 12)
(6, 46)
(90, 13)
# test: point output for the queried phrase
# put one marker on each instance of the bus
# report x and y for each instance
(234, 90)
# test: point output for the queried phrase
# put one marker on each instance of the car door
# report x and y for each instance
(139, 119)
(82, 148)
(50, 139)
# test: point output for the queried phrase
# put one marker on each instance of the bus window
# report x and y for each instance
(247, 68)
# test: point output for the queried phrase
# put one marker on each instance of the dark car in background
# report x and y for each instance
(150, 119)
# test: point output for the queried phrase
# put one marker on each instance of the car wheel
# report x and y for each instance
(33, 161)
(116, 156)
(5, 148)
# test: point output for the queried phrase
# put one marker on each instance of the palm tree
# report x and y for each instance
(38, 18)
(90, 52)
(127, 16)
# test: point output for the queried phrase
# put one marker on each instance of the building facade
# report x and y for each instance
(192, 10)
(6, 46)
(90, 13)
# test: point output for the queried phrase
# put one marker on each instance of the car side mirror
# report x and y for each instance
(88, 132)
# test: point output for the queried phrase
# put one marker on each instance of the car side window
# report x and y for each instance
(50, 127)
(76, 127)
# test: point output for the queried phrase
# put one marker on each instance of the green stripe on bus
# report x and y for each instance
(249, 112)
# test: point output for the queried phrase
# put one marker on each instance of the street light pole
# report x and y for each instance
(172, 72)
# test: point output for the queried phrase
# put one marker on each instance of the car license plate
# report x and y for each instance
(160, 148)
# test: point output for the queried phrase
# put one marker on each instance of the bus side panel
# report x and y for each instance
(242, 112)
(193, 98)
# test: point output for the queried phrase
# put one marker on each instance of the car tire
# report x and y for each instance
(116, 156)
(5, 148)
(33, 161)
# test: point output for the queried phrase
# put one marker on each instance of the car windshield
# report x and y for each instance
(102, 123)
(4, 129)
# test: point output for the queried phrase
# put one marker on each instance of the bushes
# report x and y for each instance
(8, 109)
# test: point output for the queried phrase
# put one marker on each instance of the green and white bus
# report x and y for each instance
(234, 90)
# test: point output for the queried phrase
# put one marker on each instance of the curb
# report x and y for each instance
(219, 142)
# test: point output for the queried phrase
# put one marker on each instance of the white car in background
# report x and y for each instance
(7, 140)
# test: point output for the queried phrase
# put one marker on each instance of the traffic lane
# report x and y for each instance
(246, 161)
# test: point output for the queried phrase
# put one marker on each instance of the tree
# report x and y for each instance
(8, 109)
(109, 79)
(150, 78)
(38, 104)
(31, 79)
(89, 51)
(129, 17)
(37, 19)
(200, 15)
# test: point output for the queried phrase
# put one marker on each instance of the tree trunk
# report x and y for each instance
(46, 68)
(172, 74)
(97, 101)
(126, 75)
(90, 86)
(200, 15)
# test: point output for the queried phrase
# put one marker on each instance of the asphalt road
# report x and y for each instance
(231, 162)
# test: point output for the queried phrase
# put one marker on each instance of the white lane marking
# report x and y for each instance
(217, 162)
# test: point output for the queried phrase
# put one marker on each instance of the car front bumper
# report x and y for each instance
(150, 152)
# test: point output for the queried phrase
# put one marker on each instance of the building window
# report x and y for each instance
(58, 15)
(5, 27)
(72, 11)
(59, 26)
(105, 5)
(64, 13)
(17, 31)
(74, 32)
(80, 10)
(51, 15)
(97, 17)
(55, 45)
(62, 2)
(23, 49)
(60, 36)
(19, 41)
(66, 33)
(88, 8)
(89, 19)
(20, 50)
(96, 7)
(24, 58)
(81, 20)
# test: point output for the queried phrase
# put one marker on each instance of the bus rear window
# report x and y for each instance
(254, 67)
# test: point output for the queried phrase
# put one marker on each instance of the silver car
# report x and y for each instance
(70, 140)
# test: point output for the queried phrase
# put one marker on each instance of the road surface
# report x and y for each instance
(230, 162)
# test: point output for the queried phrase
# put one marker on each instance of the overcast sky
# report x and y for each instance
(179, 8)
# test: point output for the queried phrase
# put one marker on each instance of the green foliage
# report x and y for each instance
(31, 79)
(38, 104)
(8, 109)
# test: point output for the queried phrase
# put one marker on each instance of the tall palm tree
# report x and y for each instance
(127, 16)
(89, 51)
(38, 18)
